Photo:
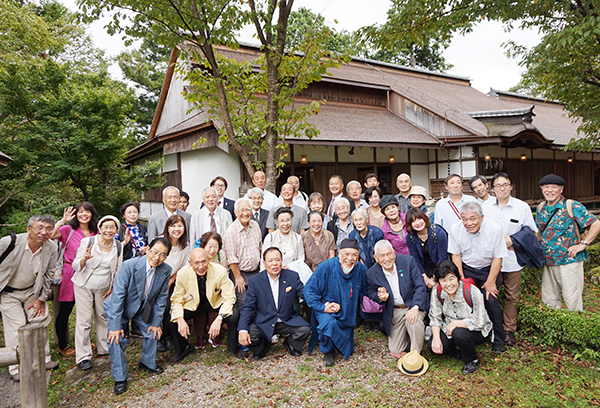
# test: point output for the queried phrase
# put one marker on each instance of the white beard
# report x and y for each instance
(346, 270)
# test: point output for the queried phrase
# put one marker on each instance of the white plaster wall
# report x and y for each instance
(419, 174)
(199, 167)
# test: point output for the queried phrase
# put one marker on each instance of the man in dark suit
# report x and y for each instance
(157, 221)
(269, 309)
(336, 188)
(139, 293)
(220, 184)
(395, 281)
(259, 214)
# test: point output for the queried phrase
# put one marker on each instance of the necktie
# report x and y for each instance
(149, 277)
(213, 224)
(331, 210)
(256, 216)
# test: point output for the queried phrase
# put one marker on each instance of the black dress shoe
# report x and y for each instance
(144, 367)
(368, 326)
(120, 387)
(498, 348)
(328, 359)
(241, 354)
(180, 356)
(85, 365)
(509, 338)
(470, 367)
(293, 352)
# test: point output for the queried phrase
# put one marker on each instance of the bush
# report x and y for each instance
(560, 326)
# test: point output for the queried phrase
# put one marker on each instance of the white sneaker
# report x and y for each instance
(275, 339)
(427, 333)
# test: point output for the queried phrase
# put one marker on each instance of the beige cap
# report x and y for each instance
(418, 190)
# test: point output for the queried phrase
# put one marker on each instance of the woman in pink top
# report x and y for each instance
(76, 224)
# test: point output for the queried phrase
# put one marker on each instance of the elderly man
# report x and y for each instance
(341, 226)
(259, 214)
(446, 210)
(354, 191)
(157, 221)
(203, 287)
(140, 294)
(404, 183)
(561, 223)
(300, 217)
(259, 179)
(242, 243)
(479, 185)
(336, 188)
(512, 215)
(333, 292)
(300, 197)
(269, 309)
(210, 217)
(477, 247)
(395, 281)
(26, 268)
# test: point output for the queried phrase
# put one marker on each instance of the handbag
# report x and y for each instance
(370, 306)
(57, 275)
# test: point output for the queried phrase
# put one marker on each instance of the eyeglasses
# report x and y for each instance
(502, 186)
(39, 228)
(154, 253)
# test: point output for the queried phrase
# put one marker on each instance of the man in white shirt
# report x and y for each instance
(210, 217)
(259, 179)
(479, 185)
(477, 249)
(300, 197)
(354, 191)
(446, 210)
(512, 215)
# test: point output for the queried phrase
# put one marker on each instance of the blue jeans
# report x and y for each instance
(118, 361)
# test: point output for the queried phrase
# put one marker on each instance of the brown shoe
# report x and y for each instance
(67, 351)
(509, 338)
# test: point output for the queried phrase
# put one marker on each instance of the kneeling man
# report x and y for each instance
(333, 293)
(203, 287)
(396, 282)
(269, 308)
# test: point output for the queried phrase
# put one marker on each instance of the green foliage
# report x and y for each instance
(63, 121)
(563, 67)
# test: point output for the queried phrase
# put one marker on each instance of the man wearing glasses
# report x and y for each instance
(26, 269)
(512, 215)
(139, 294)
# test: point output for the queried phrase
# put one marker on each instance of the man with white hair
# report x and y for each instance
(404, 183)
(300, 197)
(354, 191)
(396, 282)
(242, 243)
(157, 221)
(210, 217)
(259, 179)
(333, 293)
(259, 214)
(477, 247)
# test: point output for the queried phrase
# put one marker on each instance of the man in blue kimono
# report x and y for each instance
(333, 293)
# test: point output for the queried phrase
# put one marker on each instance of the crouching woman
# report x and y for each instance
(458, 318)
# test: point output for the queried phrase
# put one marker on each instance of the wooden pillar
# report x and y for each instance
(32, 368)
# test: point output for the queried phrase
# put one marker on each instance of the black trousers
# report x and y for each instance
(232, 336)
(260, 345)
(492, 305)
(462, 338)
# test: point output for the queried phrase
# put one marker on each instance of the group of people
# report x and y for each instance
(296, 267)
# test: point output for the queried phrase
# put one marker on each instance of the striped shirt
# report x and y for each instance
(243, 245)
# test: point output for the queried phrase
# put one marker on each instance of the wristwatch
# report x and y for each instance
(416, 307)
(584, 242)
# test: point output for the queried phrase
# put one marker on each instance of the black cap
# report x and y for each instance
(551, 179)
(349, 243)
(388, 200)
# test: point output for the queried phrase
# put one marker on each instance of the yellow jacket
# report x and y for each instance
(220, 291)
